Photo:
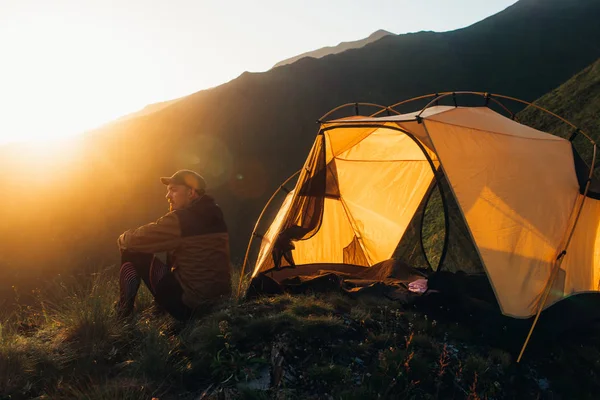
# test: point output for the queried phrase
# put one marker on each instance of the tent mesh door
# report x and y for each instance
(422, 246)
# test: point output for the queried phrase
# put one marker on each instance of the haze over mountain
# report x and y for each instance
(325, 51)
(149, 109)
(250, 134)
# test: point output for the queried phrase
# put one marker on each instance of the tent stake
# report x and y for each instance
(541, 307)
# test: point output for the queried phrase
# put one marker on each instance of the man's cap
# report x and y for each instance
(188, 178)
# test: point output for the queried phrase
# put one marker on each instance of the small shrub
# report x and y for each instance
(476, 364)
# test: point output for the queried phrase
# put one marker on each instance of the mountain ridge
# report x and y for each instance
(342, 46)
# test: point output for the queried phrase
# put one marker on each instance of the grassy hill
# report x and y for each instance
(578, 101)
(69, 344)
(65, 211)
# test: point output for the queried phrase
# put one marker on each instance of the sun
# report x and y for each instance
(58, 101)
(61, 77)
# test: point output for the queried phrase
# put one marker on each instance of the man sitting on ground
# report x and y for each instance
(197, 273)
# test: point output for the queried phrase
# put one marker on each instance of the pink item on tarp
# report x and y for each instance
(418, 286)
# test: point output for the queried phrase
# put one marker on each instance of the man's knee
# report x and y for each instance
(136, 258)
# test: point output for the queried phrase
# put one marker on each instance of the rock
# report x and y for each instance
(262, 382)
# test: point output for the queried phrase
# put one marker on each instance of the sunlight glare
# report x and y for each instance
(44, 161)
(62, 84)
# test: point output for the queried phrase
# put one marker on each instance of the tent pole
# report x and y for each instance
(429, 194)
(256, 227)
(355, 105)
(560, 257)
(446, 219)
(404, 102)
(512, 114)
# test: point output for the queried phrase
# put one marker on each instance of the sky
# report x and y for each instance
(67, 66)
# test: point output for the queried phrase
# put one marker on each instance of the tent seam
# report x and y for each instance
(460, 209)
(553, 139)
(378, 161)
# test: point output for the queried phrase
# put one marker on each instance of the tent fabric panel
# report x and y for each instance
(486, 119)
(322, 183)
(328, 244)
(342, 138)
(419, 132)
(582, 261)
(517, 196)
(385, 145)
(264, 260)
(354, 254)
(331, 181)
(381, 199)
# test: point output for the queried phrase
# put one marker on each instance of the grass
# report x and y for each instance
(70, 345)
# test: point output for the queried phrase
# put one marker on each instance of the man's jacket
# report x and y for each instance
(197, 244)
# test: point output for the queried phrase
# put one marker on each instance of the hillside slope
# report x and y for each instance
(250, 134)
(577, 100)
(147, 110)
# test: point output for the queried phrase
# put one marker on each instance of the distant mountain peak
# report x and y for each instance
(343, 46)
(379, 34)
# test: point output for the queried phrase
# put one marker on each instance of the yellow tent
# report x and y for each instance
(523, 195)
